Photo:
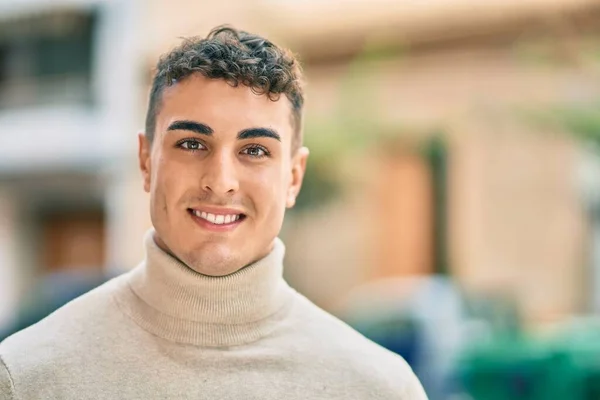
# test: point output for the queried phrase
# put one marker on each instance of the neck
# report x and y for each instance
(177, 303)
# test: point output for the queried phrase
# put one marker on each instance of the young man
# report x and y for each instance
(207, 314)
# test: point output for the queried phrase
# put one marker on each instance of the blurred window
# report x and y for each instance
(46, 59)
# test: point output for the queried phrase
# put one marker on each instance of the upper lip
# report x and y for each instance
(217, 210)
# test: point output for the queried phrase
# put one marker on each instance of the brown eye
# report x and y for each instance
(191, 145)
(255, 152)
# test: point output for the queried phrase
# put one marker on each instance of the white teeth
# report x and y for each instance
(217, 219)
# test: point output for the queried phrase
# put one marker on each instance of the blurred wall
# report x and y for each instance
(507, 181)
(517, 227)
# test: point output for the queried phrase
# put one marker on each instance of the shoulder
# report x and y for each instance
(340, 337)
(368, 363)
(63, 335)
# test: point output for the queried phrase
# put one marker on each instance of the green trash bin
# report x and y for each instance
(517, 370)
(565, 366)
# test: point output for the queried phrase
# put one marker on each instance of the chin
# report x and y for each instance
(214, 260)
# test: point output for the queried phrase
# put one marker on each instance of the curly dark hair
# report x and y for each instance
(237, 57)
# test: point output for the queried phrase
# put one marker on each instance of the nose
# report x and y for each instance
(220, 175)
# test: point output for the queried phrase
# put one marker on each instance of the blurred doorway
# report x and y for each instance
(73, 240)
(410, 228)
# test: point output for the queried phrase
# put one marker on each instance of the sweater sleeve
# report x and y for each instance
(7, 388)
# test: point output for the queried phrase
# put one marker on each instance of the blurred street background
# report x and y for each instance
(451, 208)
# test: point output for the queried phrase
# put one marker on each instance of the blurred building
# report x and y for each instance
(454, 183)
(494, 202)
(69, 110)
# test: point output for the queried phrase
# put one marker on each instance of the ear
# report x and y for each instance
(298, 169)
(144, 149)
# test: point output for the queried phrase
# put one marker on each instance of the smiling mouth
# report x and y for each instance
(217, 219)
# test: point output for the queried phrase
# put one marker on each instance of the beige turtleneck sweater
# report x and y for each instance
(163, 331)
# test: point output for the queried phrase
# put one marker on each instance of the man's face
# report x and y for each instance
(220, 173)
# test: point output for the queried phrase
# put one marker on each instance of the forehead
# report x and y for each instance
(226, 109)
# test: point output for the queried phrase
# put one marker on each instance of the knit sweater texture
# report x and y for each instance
(164, 331)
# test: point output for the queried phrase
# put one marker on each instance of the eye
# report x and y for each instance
(256, 152)
(190, 144)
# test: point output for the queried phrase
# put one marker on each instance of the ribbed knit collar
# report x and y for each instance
(172, 301)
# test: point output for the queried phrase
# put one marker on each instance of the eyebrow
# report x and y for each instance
(258, 132)
(204, 129)
(197, 127)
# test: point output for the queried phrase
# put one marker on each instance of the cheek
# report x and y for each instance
(270, 188)
(157, 191)
(167, 181)
(159, 173)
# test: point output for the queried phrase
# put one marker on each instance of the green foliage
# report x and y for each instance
(349, 131)
(333, 139)
(321, 183)
(583, 122)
